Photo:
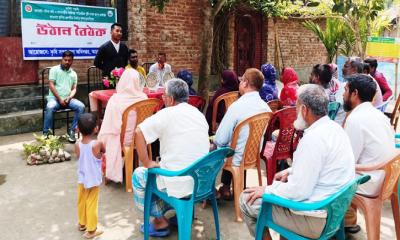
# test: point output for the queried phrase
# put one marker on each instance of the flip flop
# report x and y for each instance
(88, 235)
(81, 227)
(154, 232)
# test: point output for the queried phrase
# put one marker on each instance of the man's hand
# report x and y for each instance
(282, 176)
(254, 193)
(67, 100)
(152, 164)
(62, 102)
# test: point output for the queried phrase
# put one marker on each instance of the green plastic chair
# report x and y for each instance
(204, 172)
(333, 108)
(336, 207)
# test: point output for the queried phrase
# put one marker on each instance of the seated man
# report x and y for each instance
(250, 103)
(183, 133)
(160, 68)
(380, 78)
(324, 146)
(371, 137)
(62, 89)
(134, 62)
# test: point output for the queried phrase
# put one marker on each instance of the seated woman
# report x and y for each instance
(269, 91)
(128, 92)
(229, 83)
(290, 85)
(186, 76)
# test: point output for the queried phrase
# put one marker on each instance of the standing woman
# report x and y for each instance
(128, 92)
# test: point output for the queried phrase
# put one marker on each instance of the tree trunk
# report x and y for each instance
(206, 52)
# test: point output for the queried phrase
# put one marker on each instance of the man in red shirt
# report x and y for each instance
(386, 91)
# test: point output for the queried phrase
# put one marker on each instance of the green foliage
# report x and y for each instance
(349, 42)
(160, 4)
(51, 143)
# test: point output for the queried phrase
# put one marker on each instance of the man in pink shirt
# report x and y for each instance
(378, 76)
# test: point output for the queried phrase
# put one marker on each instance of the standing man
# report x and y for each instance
(134, 62)
(62, 89)
(378, 76)
(113, 53)
(160, 68)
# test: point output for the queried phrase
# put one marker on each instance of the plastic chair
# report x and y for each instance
(203, 171)
(227, 98)
(372, 206)
(143, 109)
(66, 111)
(197, 102)
(335, 206)
(394, 116)
(282, 120)
(275, 105)
(251, 154)
(333, 108)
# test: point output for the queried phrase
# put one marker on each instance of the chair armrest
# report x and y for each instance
(298, 206)
(166, 173)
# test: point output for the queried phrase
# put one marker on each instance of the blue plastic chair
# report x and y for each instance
(333, 108)
(383, 106)
(203, 171)
(336, 207)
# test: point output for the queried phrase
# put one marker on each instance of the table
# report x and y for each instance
(103, 96)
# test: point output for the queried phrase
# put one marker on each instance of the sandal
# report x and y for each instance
(96, 233)
(81, 227)
(155, 232)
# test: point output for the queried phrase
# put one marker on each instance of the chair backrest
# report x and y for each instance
(204, 172)
(167, 76)
(338, 206)
(275, 105)
(394, 118)
(151, 80)
(228, 98)
(197, 102)
(147, 65)
(333, 108)
(392, 172)
(283, 120)
(143, 109)
(257, 125)
(94, 79)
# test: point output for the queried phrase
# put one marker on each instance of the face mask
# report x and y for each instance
(300, 124)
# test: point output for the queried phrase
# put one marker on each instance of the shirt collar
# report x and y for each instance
(362, 106)
(317, 123)
(69, 69)
(250, 94)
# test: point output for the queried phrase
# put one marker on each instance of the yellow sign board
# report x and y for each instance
(383, 47)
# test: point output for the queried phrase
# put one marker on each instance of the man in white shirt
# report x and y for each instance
(250, 103)
(160, 68)
(371, 136)
(322, 164)
(183, 133)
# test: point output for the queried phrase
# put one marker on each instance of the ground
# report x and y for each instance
(39, 202)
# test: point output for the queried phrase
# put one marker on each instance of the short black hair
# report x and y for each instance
(323, 71)
(355, 63)
(162, 53)
(366, 67)
(364, 84)
(132, 51)
(373, 63)
(115, 25)
(87, 123)
(68, 53)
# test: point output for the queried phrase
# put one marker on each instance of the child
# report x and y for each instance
(269, 91)
(290, 84)
(89, 151)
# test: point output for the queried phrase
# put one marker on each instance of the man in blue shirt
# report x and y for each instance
(249, 104)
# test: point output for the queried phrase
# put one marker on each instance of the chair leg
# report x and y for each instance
(271, 170)
(146, 214)
(129, 159)
(185, 220)
(215, 211)
(67, 122)
(340, 234)
(262, 232)
(237, 189)
(373, 221)
(396, 215)
(259, 174)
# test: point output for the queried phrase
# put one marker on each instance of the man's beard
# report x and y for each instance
(300, 124)
(347, 106)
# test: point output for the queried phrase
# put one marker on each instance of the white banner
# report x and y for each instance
(49, 29)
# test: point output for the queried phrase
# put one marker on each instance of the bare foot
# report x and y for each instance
(160, 223)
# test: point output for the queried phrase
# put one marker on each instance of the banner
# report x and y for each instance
(49, 29)
(385, 47)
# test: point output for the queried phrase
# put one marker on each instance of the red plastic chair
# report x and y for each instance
(282, 120)
(197, 102)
